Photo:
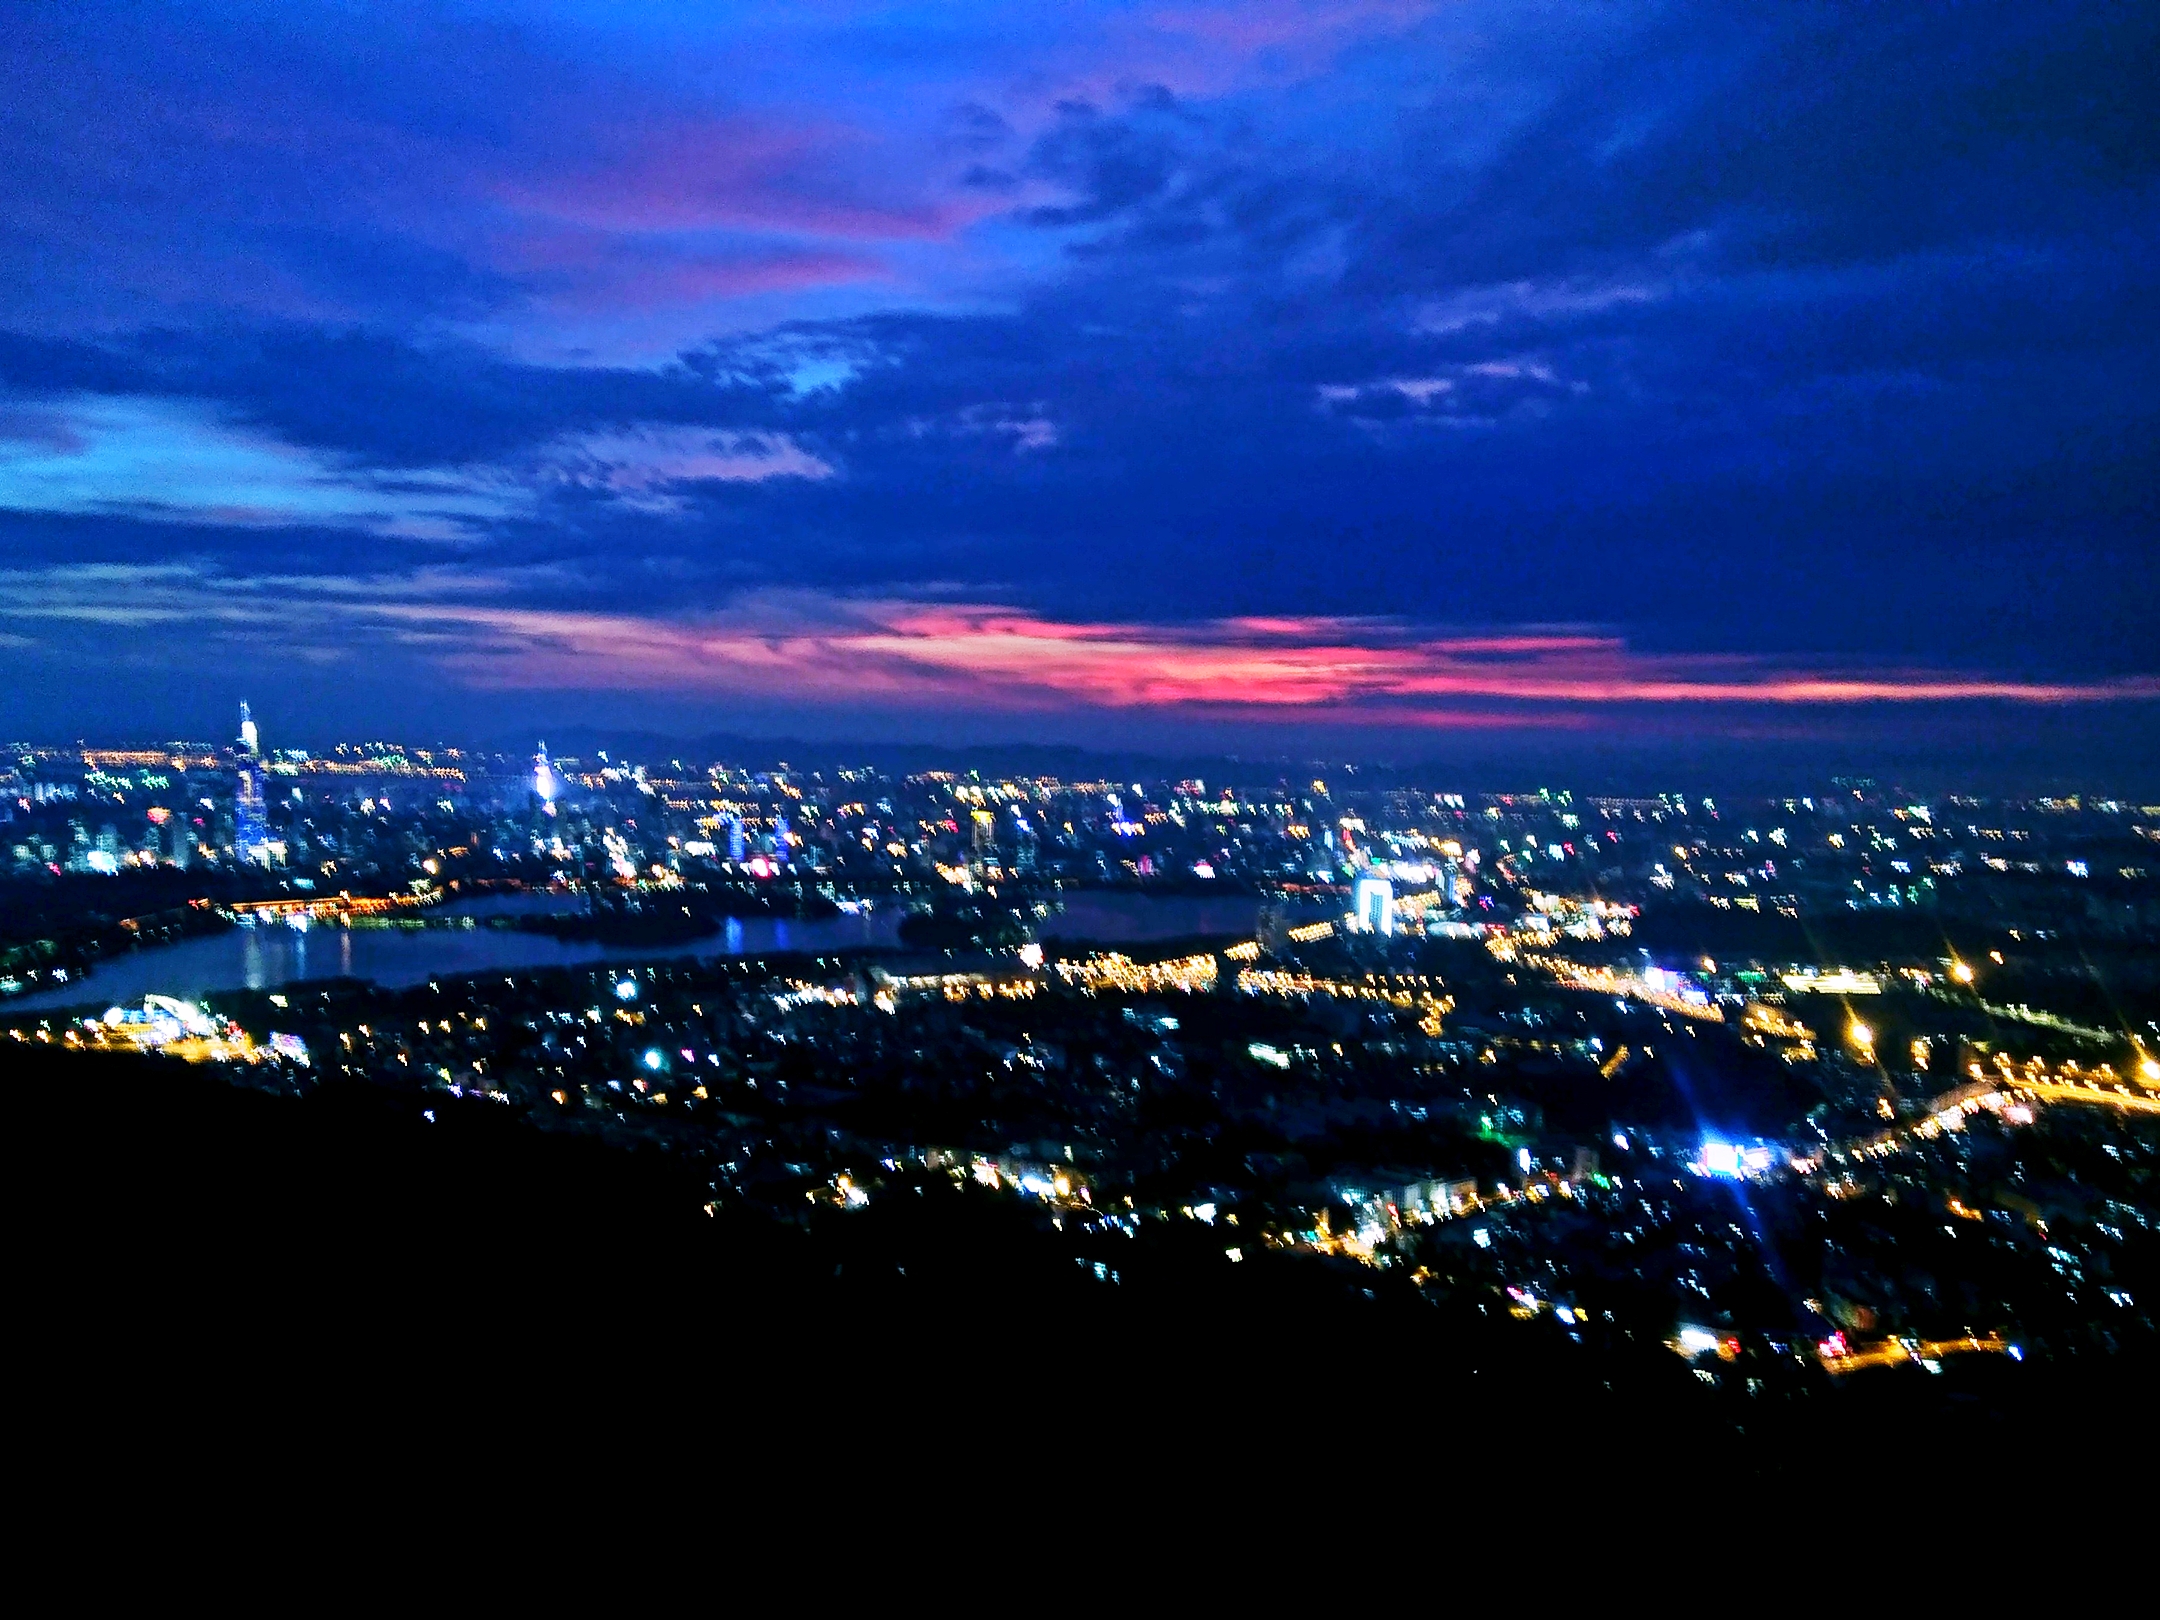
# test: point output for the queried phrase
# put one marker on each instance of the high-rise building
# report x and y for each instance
(545, 782)
(251, 822)
(1375, 901)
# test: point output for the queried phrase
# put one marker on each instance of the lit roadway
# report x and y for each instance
(2116, 1097)
(1603, 981)
(1892, 1351)
(1948, 1111)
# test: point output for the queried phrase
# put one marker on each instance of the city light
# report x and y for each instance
(1432, 1035)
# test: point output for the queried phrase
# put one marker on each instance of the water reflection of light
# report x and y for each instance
(264, 958)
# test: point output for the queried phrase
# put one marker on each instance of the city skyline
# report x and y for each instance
(1738, 1116)
(1626, 382)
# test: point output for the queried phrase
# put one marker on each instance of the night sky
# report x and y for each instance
(1276, 373)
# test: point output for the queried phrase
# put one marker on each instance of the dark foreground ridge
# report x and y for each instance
(160, 1204)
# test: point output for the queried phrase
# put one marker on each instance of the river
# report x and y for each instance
(273, 954)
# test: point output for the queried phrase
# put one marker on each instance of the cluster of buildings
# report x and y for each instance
(1678, 1070)
(1388, 856)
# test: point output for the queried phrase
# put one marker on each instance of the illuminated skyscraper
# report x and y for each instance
(545, 782)
(251, 826)
(1375, 900)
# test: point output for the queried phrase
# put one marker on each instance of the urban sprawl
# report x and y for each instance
(1790, 1088)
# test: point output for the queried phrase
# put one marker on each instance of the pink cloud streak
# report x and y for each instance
(592, 269)
(803, 648)
(807, 178)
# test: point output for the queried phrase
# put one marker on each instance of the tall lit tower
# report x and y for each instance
(545, 782)
(251, 827)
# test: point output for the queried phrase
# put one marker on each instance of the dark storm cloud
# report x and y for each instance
(1808, 135)
(1108, 165)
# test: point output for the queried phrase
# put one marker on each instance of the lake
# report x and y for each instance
(1127, 918)
(272, 954)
